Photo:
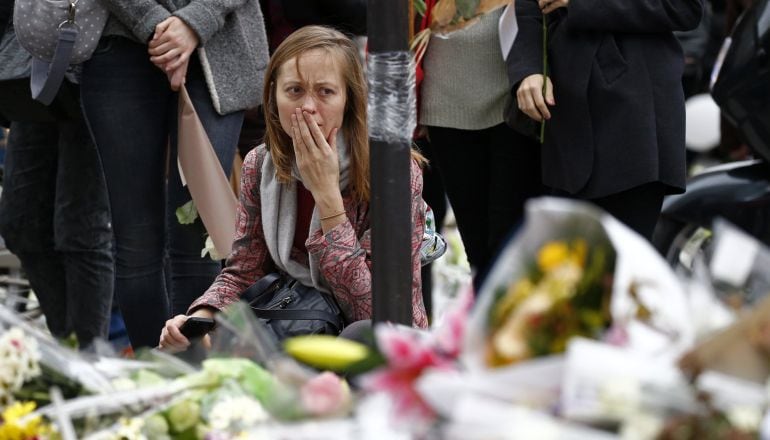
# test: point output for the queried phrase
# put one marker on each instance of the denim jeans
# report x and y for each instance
(54, 216)
(132, 114)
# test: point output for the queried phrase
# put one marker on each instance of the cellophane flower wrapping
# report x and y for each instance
(573, 262)
(572, 298)
(243, 385)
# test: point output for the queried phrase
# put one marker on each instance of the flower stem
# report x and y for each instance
(545, 70)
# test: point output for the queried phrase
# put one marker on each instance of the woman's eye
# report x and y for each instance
(327, 92)
(294, 90)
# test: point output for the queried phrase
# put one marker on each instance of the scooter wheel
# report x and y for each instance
(681, 243)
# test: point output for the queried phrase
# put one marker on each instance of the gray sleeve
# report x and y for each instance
(207, 17)
(141, 16)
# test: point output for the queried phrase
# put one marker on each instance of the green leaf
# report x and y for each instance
(183, 416)
(419, 7)
(467, 8)
(257, 381)
(373, 360)
(145, 378)
(187, 213)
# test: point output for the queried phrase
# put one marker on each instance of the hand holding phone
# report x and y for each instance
(195, 327)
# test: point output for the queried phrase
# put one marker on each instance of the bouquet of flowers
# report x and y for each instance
(565, 293)
(451, 15)
(444, 16)
(574, 271)
(21, 364)
(553, 282)
(243, 386)
(49, 391)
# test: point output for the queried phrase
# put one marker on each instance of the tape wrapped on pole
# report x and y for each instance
(391, 91)
(208, 185)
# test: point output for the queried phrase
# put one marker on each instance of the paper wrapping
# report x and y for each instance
(205, 178)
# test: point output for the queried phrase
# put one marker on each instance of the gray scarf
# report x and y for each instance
(279, 218)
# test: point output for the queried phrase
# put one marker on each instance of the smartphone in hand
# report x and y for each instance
(195, 328)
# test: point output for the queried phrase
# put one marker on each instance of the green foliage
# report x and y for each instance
(187, 213)
(466, 8)
(419, 7)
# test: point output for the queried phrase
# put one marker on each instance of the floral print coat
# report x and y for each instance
(344, 253)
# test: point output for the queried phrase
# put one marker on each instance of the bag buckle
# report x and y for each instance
(71, 10)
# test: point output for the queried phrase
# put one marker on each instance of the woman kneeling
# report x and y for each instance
(304, 202)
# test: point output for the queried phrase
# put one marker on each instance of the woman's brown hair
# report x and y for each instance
(354, 125)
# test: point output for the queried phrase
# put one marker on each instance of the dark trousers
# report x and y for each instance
(488, 175)
(54, 216)
(132, 114)
(638, 208)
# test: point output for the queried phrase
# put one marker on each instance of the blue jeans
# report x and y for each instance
(132, 114)
(55, 217)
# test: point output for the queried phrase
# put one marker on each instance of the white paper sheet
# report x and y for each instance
(508, 28)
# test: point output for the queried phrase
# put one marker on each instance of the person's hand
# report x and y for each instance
(316, 156)
(171, 338)
(172, 44)
(548, 6)
(530, 97)
(177, 78)
(319, 167)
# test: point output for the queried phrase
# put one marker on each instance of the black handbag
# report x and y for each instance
(289, 308)
(17, 103)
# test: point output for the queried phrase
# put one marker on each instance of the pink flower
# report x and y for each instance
(449, 336)
(325, 395)
(408, 353)
(617, 335)
(405, 348)
(400, 385)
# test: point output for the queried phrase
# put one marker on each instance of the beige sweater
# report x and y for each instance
(465, 84)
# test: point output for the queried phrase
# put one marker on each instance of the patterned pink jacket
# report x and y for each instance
(344, 252)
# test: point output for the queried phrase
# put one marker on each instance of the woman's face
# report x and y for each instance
(312, 82)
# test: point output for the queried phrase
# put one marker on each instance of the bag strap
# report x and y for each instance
(47, 77)
(258, 289)
(296, 315)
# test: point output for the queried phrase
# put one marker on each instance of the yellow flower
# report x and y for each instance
(18, 410)
(552, 255)
(12, 429)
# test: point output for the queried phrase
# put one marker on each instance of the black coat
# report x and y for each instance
(616, 68)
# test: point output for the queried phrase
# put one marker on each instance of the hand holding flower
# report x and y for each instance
(532, 100)
(548, 6)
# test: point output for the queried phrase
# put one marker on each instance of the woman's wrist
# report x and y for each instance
(204, 312)
(329, 203)
(332, 221)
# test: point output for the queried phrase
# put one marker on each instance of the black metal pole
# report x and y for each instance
(388, 30)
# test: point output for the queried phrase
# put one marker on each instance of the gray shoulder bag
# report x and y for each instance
(57, 33)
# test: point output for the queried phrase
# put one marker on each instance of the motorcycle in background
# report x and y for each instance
(738, 192)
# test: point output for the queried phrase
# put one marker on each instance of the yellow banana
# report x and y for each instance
(326, 352)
